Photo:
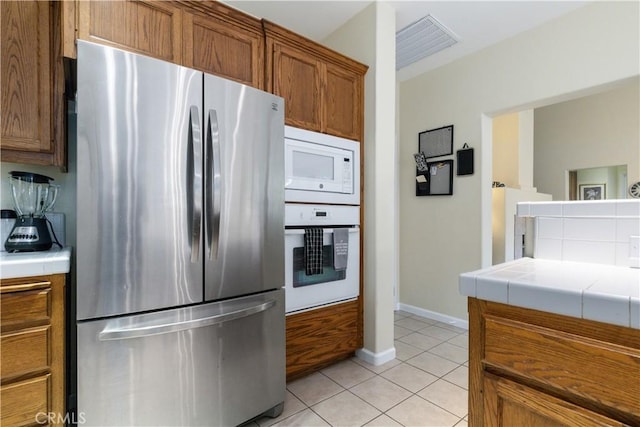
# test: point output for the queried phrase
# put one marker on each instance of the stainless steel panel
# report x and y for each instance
(244, 157)
(138, 183)
(216, 364)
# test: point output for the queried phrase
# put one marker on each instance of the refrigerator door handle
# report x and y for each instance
(194, 178)
(213, 184)
(146, 330)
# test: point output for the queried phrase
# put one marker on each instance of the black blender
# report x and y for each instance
(33, 195)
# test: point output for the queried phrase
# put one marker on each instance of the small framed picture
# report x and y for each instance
(592, 191)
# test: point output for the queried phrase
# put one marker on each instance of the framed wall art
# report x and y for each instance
(436, 142)
(592, 191)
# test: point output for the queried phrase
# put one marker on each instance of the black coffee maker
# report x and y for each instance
(33, 195)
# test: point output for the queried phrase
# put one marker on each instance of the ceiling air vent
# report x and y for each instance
(423, 38)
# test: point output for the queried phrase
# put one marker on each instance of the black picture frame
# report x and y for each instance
(436, 142)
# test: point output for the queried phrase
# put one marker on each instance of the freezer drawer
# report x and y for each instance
(216, 364)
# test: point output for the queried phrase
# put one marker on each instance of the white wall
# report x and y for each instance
(595, 131)
(441, 237)
(506, 164)
(370, 39)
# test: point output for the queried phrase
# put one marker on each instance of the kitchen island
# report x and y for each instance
(553, 343)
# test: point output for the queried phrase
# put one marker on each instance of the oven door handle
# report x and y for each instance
(293, 231)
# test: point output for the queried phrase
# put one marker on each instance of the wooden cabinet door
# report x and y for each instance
(507, 403)
(343, 102)
(152, 28)
(297, 78)
(218, 47)
(26, 78)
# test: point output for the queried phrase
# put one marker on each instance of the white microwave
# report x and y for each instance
(321, 168)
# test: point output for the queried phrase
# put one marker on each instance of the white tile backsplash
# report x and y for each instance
(545, 209)
(594, 229)
(589, 251)
(548, 249)
(549, 227)
(589, 208)
(584, 231)
(628, 208)
(626, 227)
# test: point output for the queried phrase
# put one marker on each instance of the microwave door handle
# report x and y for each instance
(194, 183)
(213, 196)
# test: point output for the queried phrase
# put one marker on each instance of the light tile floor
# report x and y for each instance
(426, 385)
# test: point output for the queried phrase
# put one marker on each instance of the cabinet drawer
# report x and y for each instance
(23, 401)
(24, 351)
(25, 306)
(604, 373)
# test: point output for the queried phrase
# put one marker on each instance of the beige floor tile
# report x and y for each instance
(438, 332)
(347, 373)
(459, 377)
(451, 352)
(380, 392)
(405, 351)
(346, 409)
(399, 332)
(383, 421)
(462, 423)
(453, 328)
(409, 377)
(412, 323)
(461, 340)
(397, 315)
(306, 418)
(314, 388)
(420, 341)
(433, 364)
(292, 405)
(447, 396)
(378, 369)
(416, 411)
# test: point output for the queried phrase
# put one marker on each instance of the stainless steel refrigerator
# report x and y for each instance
(180, 270)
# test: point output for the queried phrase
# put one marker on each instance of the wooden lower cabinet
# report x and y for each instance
(532, 368)
(33, 350)
(319, 337)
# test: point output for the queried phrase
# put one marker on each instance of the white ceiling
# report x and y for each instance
(477, 24)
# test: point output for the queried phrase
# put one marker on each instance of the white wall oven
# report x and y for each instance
(322, 255)
(321, 168)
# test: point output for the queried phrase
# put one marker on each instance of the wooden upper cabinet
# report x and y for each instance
(152, 28)
(223, 41)
(297, 77)
(323, 90)
(31, 90)
(207, 36)
(343, 102)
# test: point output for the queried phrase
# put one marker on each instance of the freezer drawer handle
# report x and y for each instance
(214, 184)
(168, 328)
(195, 183)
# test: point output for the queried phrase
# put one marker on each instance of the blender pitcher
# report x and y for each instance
(33, 195)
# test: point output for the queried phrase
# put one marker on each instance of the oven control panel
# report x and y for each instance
(296, 215)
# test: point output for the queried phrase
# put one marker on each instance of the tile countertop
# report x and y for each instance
(604, 293)
(26, 264)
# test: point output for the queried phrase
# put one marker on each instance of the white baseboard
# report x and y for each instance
(454, 321)
(376, 359)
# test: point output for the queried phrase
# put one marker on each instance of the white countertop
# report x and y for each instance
(26, 264)
(604, 293)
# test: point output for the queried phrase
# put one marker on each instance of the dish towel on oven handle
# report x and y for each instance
(340, 248)
(313, 250)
